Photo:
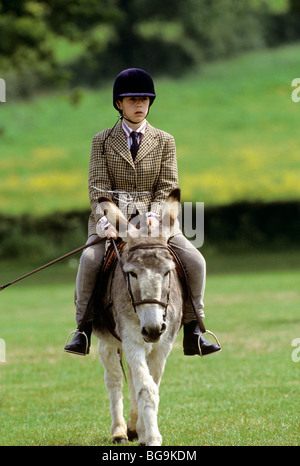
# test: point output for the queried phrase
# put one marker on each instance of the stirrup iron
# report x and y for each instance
(87, 342)
(211, 333)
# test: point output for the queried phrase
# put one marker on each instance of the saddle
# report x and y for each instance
(103, 318)
(110, 259)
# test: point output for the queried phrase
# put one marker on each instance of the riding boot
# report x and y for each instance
(81, 341)
(195, 343)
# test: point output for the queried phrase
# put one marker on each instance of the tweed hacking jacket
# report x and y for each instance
(148, 179)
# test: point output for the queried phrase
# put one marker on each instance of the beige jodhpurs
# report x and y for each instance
(192, 260)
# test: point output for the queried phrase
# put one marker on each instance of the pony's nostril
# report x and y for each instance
(144, 332)
(153, 334)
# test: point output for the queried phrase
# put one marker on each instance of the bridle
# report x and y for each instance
(134, 302)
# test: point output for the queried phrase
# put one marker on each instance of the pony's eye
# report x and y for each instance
(133, 274)
(167, 273)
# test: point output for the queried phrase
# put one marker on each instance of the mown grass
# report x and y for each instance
(246, 395)
(235, 125)
(236, 129)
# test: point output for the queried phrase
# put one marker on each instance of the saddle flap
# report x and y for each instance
(111, 256)
(103, 318)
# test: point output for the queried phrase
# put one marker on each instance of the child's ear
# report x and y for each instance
(119, 104)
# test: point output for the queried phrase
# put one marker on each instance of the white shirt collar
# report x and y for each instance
(128, 130)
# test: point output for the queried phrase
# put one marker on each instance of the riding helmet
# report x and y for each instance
(133, 82)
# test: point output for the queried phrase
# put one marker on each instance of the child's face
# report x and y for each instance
(134, 108)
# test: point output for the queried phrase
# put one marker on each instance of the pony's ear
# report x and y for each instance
(112, 213)
(175, 195)
(171, 207)
(170, 211)
(116, 218)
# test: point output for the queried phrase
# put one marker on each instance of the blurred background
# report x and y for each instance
(223, 72)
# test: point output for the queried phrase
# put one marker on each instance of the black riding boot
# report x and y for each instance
(191, 341)
(81, 341)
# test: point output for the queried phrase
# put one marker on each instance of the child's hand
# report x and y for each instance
(111, 232)
(104, 228)
(153, 220)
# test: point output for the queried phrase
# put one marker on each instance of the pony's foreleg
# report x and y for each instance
(133, 414)
(146, 392)
(113, 377)
(157, 360)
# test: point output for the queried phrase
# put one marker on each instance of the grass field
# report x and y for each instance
(235, 125)
(236, 129)
(246, 395)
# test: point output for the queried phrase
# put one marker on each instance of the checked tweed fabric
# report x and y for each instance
(149, 178)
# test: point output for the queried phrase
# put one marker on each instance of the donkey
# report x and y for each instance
(147, 313)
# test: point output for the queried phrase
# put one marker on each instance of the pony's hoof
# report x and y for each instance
(119, 440)
(132, 435)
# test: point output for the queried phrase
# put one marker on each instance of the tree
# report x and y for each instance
(24, 35)
(166, 37)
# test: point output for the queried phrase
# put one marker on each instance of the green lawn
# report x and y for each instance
(235, 125)
(246, 395)
(236, 129)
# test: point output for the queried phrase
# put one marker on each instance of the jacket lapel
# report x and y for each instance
(119, 143)
(149, 142)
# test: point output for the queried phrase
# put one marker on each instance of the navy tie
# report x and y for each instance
(135, 144)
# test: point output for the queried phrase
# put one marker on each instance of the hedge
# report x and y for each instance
(241, 225)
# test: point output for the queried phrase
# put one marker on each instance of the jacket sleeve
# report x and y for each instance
(99, 180)
(168, 177)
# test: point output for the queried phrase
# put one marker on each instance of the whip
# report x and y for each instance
(118, 196)
(52, 262)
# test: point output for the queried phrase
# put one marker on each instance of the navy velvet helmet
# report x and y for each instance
(133, 82)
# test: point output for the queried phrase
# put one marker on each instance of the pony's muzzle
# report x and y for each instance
(152, 334)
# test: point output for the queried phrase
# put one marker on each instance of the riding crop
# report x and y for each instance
(52, 262)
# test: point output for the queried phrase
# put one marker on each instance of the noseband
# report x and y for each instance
(127, 280)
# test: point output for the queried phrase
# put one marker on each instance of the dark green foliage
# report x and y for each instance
(253, 225)
(42, 238)
(167, 37)
(244, 225)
